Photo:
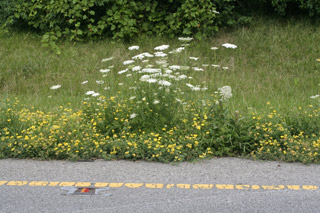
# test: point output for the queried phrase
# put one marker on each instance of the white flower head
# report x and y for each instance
(136, 68)
(104, 70)
(180, 77)
(315, 96)
(100, 82)
(156, 101)
(131, 98)
(107, 59)
(164, 83)
(133, 48)
(95, 94)
(128, 62)
(122, 71)
(178, 50)
(140, 56)
(90, 92)
(133, 115)
(175, 67)
(160, 54)
(214, 48)
(216, 12)
(55, 86)
(196, 88)
(194, 58)
(162, 47)
(197, 69)
(84, 82)
(151, 80)
(150, 70)
(227, 45)
(225, 92)
(185, 39)
(144, 77)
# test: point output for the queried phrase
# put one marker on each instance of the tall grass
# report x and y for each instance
(81, 105)
(274, 62)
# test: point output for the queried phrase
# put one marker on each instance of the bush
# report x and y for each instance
(121, 19)
(291, 7)
(6, 9)
(312, 7)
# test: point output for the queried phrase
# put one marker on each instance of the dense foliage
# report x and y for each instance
(312, 7)
(117, 19)
(6, 9)
(123, 20)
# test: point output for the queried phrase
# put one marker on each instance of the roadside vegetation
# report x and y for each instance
(250, 91)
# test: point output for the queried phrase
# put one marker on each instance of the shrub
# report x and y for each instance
(121, 19)
(295, 7)
(6, 9)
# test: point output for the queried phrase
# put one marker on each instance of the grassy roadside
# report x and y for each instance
(272, 73)
(275, 62)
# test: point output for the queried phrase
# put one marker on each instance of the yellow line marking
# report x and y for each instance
(101, 184)
(243, 187)
(17, 183)
(154, 185)
(116, 185)
(224, 186)
(83, 184)
(133, 185)
(255, 187)
(293, 187)
(3, 182)
(202, 186)
(67, 183)
(273, 187)
(161, 185)
(53, 183)
(183, 186)
(309, 187)
(169, 186)
(38, 183)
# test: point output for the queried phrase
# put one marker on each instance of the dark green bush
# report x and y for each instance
(286, 7)
(121, 19)
(6, 9)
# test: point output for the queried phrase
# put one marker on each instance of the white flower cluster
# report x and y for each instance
(225, 93)
(55, 87)
(227, 45)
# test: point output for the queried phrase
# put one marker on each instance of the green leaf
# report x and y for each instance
(186, 31)
(109, 12)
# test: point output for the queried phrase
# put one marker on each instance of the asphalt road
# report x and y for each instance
(217, 185)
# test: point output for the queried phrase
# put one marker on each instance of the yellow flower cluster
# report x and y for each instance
(276, 140)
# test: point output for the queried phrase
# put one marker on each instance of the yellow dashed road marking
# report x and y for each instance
(101, 184)
(160, 185)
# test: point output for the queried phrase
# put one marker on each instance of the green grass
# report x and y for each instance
(272, 73)
(274, 61)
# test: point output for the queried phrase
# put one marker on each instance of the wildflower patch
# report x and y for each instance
(156, 119)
